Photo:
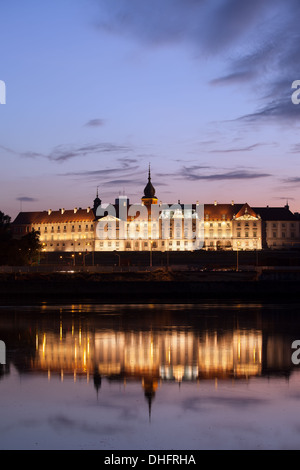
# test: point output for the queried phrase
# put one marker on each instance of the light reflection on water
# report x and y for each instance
(149, 376)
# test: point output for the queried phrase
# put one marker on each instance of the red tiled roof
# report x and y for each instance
(275, 213)
(55, 217)
(218, 211)
(246, 209)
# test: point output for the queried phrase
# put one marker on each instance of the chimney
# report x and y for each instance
(75, 210)
(88, 209)
(62, 210)
(49, 211)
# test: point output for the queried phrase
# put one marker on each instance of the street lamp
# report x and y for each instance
(237, 256)
(115, 251)
(151, 253)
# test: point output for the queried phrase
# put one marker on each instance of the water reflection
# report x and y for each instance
(149, 376)
(149, 344)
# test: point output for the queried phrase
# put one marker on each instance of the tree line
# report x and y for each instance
(17, 252)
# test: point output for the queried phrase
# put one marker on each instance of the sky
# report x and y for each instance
(96, 90)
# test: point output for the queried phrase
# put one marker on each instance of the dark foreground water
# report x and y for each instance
(116, 377)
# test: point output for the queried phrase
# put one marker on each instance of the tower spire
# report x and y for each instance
(97, 202)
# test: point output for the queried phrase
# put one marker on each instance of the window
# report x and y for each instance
(239, 234)
(283, 235)
(274, 234)
(254, 234)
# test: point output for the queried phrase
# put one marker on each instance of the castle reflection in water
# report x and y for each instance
(171, 355)
(151, 349)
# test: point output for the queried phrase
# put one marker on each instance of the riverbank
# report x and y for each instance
(160, 285)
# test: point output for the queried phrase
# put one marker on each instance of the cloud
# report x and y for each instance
(210, 26)
(257, 42)
(95, 123)
(295, 148)
(62, 153)
(291, 180)
(234, 77)
(189, 174)
(248, 148)
(126, 165)
(26, 199)
(284, 198)
(281, 110)
(30, 154)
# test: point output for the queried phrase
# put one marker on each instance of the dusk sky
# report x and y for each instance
(98, 89)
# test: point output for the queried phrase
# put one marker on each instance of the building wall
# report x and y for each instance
(282, 234)
(79, 232)
(68, 236)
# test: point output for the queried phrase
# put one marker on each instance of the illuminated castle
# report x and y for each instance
(129, 227)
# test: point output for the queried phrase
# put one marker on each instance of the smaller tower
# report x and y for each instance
(149, 193)
(97, 203)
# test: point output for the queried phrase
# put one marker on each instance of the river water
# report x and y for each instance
(130, 377)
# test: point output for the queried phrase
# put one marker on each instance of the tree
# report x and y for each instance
(5, 232)
(17, 252)
(30, 247)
